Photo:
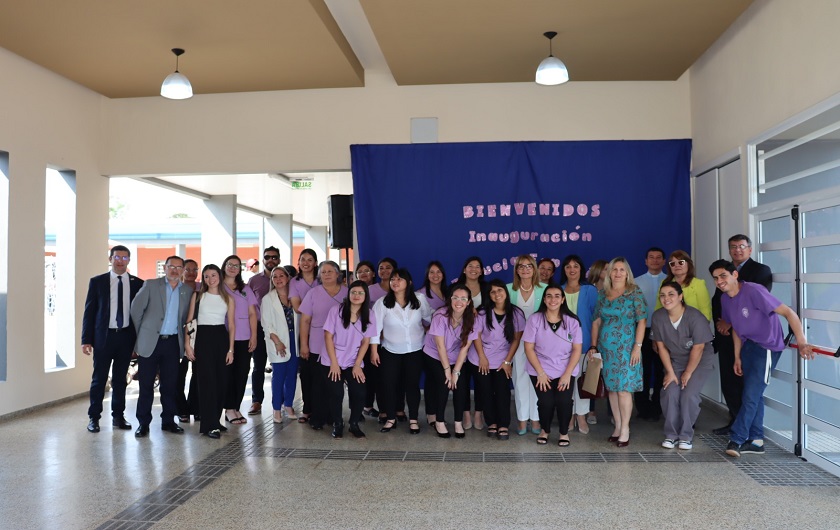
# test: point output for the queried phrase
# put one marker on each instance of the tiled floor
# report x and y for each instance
(56, 475)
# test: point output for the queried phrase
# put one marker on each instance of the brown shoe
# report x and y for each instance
(256, 408)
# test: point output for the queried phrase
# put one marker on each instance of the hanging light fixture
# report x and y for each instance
(176, 85)
(551, 70)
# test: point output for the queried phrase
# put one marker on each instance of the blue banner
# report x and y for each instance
(497, 200)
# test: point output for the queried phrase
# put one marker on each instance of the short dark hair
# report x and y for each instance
(119, 248)
(655, 249)
(174, 257)
(722, 264)
(190, 261)
(741, 237)
(273, 249)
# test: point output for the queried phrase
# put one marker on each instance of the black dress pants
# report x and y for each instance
(188, 404)
(335, 392)
(731, 385)
(211, 346)
(553, 400)
(117, 352)
(258, 372)
(494, 391)
(437, 380)
(162, 363)
(238, 375)
(400, 377)
(653, 373)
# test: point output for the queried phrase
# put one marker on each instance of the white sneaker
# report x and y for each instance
(669, 443)
(685, 445)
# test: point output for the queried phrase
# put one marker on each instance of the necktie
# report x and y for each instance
(119, 302)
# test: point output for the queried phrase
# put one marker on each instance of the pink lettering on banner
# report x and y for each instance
(582, 210)
(568, 210)
(596, 210)
(519, 207)
(505, 208)
(468, 212)
(555, 210)
(532, 208)
(480, 210)
(545, 209)
(491, 210)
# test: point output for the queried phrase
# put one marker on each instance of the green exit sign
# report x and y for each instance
(301, 184)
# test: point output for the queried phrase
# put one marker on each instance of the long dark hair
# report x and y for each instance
(468, 320)
(568, 259)
(299, 276)
(240, 283)
(463, 277)
(427, 286)
(677, 255)
(564, 308)
(369, 265)
(364, 313)
(391, 299)
(510, 311)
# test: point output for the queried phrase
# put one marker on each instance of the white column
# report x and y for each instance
(218, 229)
(278, 233)
(181, 250)
(316, 239)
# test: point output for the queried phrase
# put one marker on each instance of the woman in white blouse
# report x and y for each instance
(398, 347)
(278, 322)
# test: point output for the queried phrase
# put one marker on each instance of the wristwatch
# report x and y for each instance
(507, 363)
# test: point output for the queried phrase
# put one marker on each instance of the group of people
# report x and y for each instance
(377, 338)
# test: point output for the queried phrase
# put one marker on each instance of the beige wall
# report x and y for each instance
(46, 120)
(778, 59)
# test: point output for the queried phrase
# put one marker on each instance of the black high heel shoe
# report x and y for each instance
(442, 434)
(338, 430)
(413, 427)
(386, 428)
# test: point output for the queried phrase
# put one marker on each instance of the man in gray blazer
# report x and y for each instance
(159, 312)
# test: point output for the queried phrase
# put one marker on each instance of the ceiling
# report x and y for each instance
(122, 49)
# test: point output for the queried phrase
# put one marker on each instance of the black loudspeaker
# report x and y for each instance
(340, 211)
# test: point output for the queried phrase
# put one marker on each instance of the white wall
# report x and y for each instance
(46, 120)
(776, 60)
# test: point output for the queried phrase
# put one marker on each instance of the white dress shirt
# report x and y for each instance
(400, 329)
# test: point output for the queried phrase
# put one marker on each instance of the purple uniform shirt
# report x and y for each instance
(317, 304)
(241, 301)
(347, 340)
(451, 337)
(496, 347)
(376, 292)
(553, 348)
(751, 314)
(435, 302)
(299, 288)
(260, 284)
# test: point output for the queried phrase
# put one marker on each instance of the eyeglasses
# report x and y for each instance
(676, 262)
(121, 258)
(234, 266)
(190, 270)
(525, 266)
(397, 279)
(271, 258)
(460, 299)
(740, 246)
(357, 293)
(175, 267)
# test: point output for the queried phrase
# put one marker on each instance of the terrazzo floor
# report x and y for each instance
(54, 474)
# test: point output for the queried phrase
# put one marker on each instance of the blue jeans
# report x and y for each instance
(749, 424)
(283, 383)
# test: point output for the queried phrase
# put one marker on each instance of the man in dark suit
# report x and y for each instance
(749, 270)
(108, 335)
(159, 313)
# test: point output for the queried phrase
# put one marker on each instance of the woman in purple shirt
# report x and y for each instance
(386, 267)
(314, 309)
(500, 325)
(446, 344)
(553, 346)
(434, 285)
(305, 279)
(247, 316)
(347, 333)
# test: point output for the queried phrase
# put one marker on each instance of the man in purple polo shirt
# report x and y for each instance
(758, 338)
(261, 284)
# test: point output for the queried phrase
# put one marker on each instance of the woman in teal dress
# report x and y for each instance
(618, 328)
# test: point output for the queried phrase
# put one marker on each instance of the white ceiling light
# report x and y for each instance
(176, 85)
(551, 71)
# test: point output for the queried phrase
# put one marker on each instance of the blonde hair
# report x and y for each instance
(530, 259)
(631, 283)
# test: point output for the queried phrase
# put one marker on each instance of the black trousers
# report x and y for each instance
(309, 369)
(238, 375)
(400, 378)
(731, 385)
(494, 391)
(554, 400)
(117, 352)
(437, 379)
(163, 362)
(653, 373)
(471, 382)
(258, 372)
(187, 404)
(211, 346)
(335, 392)
(373, 384)
(320, 412)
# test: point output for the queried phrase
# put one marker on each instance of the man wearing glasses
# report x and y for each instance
(159, 312)
(108, 335)
(260, 284)
(749, 270)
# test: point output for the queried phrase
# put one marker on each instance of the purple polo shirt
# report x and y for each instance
(260, 284)
(496, 347)
(751, 314)
(347, 340)
(298, 287)
(241, 300)
(451, 337)
(376, 292)
(553, 349)
(317, 304)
